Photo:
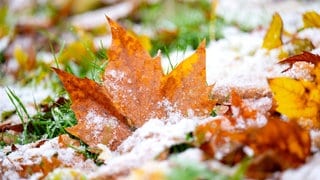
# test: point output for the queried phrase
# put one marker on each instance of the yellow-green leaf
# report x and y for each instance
(272, 38)
(311, 19)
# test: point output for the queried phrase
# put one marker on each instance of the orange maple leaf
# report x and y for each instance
(186, 86)
(133, 91)
(132, 77)
(98, 120)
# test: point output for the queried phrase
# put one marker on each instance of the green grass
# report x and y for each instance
(189, 170)
(177, 25)
(53, 120)
(50, 121)
(21, 111)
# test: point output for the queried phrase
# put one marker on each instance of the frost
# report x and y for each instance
(97, 123)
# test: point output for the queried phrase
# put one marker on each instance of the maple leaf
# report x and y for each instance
(311, 19)
(186, 85)
(98, 120)
(272, 38)
(136, 80)
(132, 77)
(45, 167)
(133, 90)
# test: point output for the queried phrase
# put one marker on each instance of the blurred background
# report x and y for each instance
(73, 35)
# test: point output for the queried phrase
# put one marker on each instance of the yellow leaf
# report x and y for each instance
(293, 100)
(77, 51)
(311, 19)
(273, 37)
(20, 56)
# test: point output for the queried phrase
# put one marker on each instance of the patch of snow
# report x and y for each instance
(310, 170)
(4, 41)
(27, 95)
(193, 154)
(96, 18)
(147, 142)
(311, 34)
(30, 154)
(97, 123)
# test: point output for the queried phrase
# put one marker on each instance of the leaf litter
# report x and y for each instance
(237, 133)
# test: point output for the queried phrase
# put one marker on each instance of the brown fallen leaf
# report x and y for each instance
(45, 167)
(277, 146)
(305, 57)
(134, 90)
(98, 120)
(132, 77)
(186, 87)
(281, 144)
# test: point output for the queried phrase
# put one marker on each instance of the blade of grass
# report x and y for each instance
(21, 112)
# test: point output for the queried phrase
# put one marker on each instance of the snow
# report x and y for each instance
(311, 34)
(97, 123)
(147, 142)
(30, 154)
(96, 18)
(28, 96)
(237, 61)
(308, 171)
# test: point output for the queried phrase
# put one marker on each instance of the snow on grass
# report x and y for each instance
(29, 96)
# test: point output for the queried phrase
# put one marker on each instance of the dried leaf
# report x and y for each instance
(8, 126)
(244, 111)
(78, 50)
(273, 38)
(277, 146)
(284, 144)
(136, 80)
(98, 120)
(311, 19)
(132, 77)
(286, 138)
(305, 57)
(186, 86)
(45, 167)
(133, 90)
